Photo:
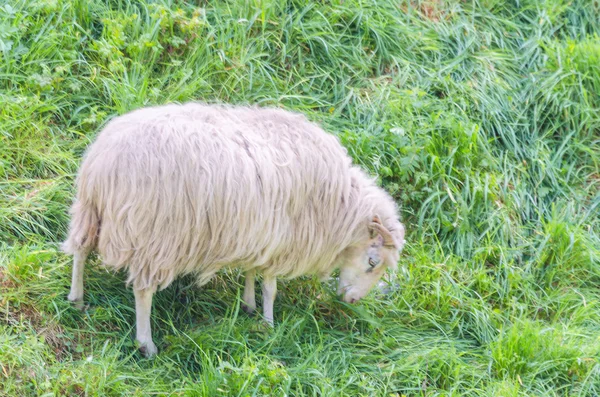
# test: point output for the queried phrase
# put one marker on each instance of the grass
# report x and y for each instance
(481, 117)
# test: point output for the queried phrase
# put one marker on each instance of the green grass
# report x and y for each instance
(481, 117)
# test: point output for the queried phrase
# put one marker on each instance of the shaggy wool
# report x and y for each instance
(179, 189)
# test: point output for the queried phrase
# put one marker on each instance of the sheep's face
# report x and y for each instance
(364, 264)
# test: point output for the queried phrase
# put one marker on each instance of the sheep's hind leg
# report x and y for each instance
(143, 307)
(269, 289)
(76, 293)
(249, 304)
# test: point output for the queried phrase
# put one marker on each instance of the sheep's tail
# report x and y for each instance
(83, 230)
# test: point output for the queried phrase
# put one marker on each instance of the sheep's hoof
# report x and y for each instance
(78, 304)
(148, 349)
(268, 323)
(249, 310)
(387, 288)
(263, 327)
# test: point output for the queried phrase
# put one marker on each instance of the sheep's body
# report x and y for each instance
(193, 188)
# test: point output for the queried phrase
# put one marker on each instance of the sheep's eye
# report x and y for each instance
(372, 262)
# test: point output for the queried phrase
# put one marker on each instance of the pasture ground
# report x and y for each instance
(481, 117)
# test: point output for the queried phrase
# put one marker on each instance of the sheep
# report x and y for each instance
(172, 190)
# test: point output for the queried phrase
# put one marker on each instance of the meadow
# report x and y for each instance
(480, 117)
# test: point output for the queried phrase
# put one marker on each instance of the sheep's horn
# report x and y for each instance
(388, 239)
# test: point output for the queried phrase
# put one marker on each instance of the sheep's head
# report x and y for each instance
(365, 263)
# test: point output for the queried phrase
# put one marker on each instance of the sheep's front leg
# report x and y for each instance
(249, 304)
(143, 307)
(269, 289)
(388, 283)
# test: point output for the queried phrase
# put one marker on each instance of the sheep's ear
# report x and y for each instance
(373, 232)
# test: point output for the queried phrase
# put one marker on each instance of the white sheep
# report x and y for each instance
(172, 190)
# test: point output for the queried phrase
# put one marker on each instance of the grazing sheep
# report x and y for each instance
(178, 189)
